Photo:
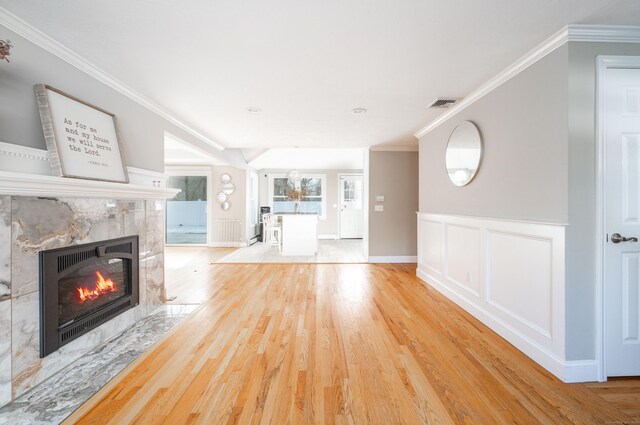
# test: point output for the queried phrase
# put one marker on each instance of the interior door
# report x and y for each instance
(351, 207)
(622, 222)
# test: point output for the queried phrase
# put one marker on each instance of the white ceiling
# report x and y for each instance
(306, 64)
(310, 158)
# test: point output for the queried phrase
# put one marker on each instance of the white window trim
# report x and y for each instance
(322, 177)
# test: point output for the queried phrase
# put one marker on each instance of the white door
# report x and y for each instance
(622, 222)
(351, 207)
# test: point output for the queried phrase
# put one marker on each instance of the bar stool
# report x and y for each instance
(273, 230)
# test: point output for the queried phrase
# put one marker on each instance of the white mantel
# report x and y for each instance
(22, 184)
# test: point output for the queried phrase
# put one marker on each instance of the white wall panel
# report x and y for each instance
(519, 279)
(463, 257)
(431, 245)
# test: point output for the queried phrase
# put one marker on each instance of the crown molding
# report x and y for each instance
(577, 33)
(37, 37)
(604, 33)
(394, 148)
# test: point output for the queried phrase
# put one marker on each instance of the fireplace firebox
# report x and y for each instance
(84, 286)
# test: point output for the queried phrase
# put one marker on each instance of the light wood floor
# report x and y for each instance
(329, 251)
(340, 344)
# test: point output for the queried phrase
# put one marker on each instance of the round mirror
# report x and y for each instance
(464, 152)
(225, 205)
(228, 188)
(225, 178)
(221, 197)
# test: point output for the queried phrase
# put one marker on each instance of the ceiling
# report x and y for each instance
(310, 158)
(306, 64)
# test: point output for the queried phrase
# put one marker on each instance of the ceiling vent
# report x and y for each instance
(443, 102)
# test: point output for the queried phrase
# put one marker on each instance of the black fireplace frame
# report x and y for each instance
(57, 263)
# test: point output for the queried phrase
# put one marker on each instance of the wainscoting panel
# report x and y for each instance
(430, 247)
(508, 274)
(462, 253)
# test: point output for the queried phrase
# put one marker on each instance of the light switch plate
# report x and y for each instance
(379, 208)
(379, 198)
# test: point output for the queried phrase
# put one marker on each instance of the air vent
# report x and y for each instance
(443, 102)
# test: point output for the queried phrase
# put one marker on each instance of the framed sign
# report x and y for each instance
(82, 139)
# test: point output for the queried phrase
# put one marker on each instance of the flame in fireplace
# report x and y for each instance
(102, 287)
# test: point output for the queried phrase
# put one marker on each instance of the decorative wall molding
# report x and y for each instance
(578, 33)
(508, 274)
(42, 40)
(22, 184)
(392, 259)
(23, 152)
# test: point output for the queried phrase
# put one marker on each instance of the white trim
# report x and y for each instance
(22, 184)
(328, 236)
(580, 371)
(24, 152)
(473, 217)
(604, 33)
(42, 40)
(580, 33)
(389, 259)
(603, 63)
(392, 148)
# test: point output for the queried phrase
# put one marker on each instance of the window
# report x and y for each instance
(313, 186)
(186, 214)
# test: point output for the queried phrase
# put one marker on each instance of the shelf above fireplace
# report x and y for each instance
(23, 184)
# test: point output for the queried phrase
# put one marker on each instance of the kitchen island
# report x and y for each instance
(299, 234)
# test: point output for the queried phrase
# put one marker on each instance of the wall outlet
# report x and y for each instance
(379, 208)
(379, 198)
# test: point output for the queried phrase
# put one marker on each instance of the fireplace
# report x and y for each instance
(83, 286)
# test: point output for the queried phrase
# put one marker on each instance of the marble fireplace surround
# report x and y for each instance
(33, 218)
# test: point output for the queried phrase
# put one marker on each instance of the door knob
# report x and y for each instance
(617, 238)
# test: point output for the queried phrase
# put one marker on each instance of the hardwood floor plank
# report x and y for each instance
(340, 344)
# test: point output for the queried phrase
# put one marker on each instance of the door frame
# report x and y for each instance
(340, 175)
(603, 63)
(192, 170)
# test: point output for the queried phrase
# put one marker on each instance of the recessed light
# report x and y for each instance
(253, 110)
(358, 111)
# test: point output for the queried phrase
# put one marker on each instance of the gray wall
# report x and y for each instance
(329, 226)
(523, 175)
(141, 131)
(580, 236)
(393, 232)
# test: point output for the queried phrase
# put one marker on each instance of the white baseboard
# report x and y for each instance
(328, 236)
(539, 354)
(580, 371)
(227, 244)
(394, 259)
